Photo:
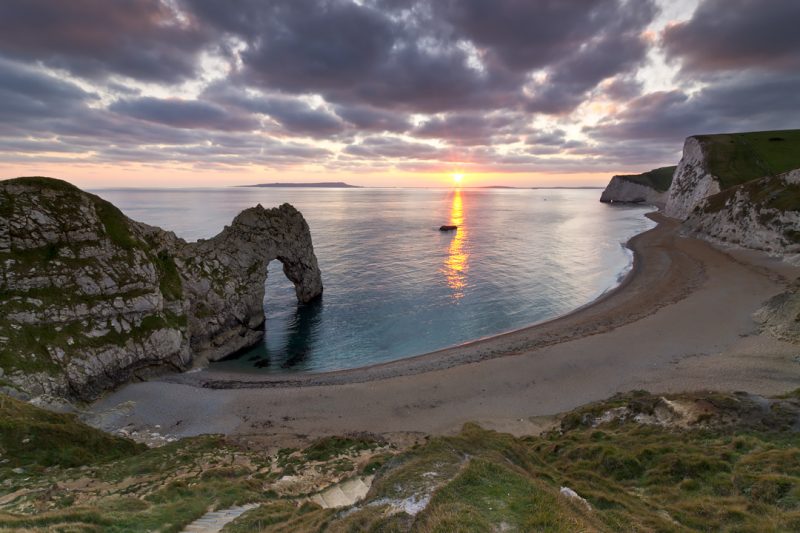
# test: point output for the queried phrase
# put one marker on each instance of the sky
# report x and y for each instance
(189, 93)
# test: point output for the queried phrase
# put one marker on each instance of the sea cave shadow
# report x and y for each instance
(301, 336)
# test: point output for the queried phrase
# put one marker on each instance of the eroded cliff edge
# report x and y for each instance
(90, 299)
(649, 187)
(741, 188)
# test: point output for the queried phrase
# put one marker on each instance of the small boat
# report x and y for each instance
(448, 228)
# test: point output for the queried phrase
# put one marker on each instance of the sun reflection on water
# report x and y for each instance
(456, 265)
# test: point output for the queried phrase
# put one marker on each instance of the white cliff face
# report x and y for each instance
(692, 182)
(90, 299)
(748, 217)
(621, 190)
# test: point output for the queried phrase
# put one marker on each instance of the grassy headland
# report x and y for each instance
(736, 158)
(659, 178)
(706, 461)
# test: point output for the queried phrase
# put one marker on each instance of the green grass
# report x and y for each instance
(169, 280)
(766, 193)
(736, 158)
(735, 468)
(329, 447)
(116, 224)
(659, 178)
(34, 439)
(44, 182)
(280, 516)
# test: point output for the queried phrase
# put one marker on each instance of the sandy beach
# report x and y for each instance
(681, 320)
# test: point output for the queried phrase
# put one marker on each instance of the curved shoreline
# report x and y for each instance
(653, 272)
(680, 321)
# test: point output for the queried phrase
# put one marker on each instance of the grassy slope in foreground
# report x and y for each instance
(739, 157)
(658, 178)
(689, 462)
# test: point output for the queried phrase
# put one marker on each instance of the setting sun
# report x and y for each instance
(458, 177)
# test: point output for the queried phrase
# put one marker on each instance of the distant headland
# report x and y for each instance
(325, 184)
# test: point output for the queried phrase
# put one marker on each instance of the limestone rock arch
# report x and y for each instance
(224, 277)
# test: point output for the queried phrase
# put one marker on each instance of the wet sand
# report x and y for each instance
(681, 320)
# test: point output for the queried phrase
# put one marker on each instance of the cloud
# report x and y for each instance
(28, 96)
(142, 39)
(745, 103)
(468, 128)
(183, 113)
(366, 118)
(393, 147)
(617, 48)
(388, 83)
(293, 114)
(731, 35)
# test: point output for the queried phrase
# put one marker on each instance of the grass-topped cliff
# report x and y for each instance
(638, 462)
(658, 178)
(736, 158)
(741, 188)
(86, 297)
(90, 298)
(648, 187)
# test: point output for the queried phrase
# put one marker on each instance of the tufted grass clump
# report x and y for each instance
(639, 462)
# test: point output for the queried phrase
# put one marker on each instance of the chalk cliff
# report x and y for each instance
(692, 182)
(90, 299)
(762, 214)
(649, 187)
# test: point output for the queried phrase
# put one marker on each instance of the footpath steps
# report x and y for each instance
(340, 495)
(213, 522)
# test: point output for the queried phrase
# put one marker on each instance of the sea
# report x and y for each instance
(394, 285)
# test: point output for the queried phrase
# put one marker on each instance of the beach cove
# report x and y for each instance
(674, 324)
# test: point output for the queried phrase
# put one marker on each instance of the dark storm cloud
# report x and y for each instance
(617, 48)
(475, 75)
(142, 39)
(183, 113)
(26, 93)
(737, 34)
(744, 103)
(354, 53)
(528, 35)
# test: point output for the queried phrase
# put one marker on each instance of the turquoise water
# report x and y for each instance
(395, 286)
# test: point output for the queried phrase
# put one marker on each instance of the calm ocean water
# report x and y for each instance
(395, 286)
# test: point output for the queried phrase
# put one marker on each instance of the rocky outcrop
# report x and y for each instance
(780, 315)
(90, 299)
(692, 182)
(763, 214)
(622, 190)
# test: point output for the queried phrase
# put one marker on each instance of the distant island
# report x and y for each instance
(325, 184)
